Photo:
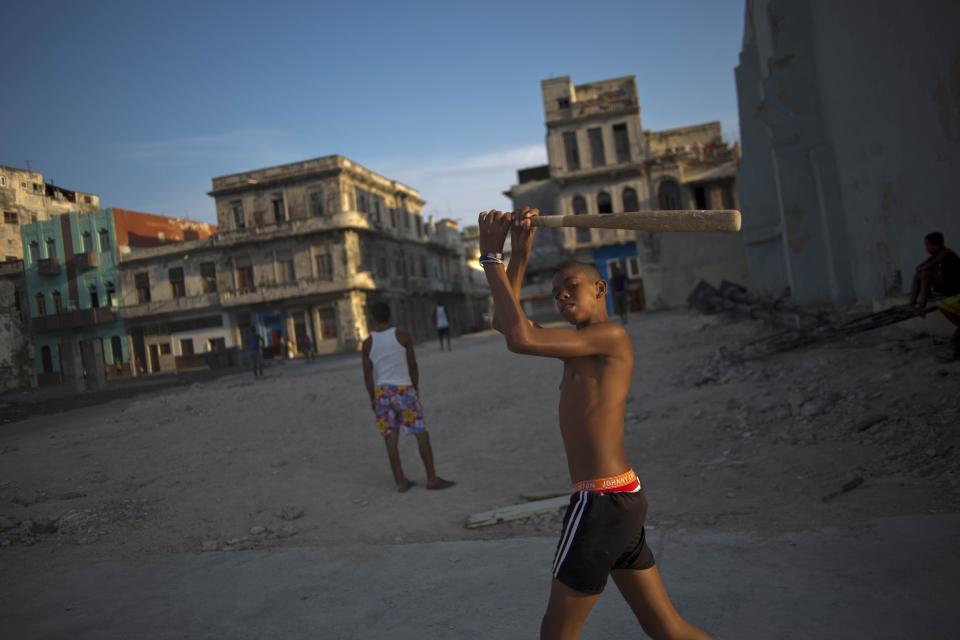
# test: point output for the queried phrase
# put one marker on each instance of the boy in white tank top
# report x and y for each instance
(391, 375)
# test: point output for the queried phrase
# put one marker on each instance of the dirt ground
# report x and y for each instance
(294, 460)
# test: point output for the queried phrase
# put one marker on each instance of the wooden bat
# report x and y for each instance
(689, 220)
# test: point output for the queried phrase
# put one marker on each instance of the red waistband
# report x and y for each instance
(623, 482)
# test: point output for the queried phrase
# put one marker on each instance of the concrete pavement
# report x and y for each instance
(897, 578)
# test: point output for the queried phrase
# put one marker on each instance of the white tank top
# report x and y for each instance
(389, 359)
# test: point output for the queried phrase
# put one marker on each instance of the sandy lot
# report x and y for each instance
(295, 460)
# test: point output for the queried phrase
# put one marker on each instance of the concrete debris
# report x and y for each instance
(831, 393)
(287, 531)
(289, 512)
(869, 422)
(796, 326)
(850, 486)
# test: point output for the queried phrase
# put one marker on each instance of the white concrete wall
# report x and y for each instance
(850, 122)
(889, 76)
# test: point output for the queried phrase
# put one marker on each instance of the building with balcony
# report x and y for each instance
(601, 160)
(73, 288)
(303, 249)
(26, 197)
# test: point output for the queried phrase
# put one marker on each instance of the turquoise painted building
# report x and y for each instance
(73, 286)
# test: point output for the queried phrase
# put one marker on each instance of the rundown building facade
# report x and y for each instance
(16, 359)
(302, 250)
(601, 160)
(850, 122)
(74, 289)
(26, 198)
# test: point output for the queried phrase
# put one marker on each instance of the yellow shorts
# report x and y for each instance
(950, 305)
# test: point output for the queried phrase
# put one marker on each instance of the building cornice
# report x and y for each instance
(301, 171)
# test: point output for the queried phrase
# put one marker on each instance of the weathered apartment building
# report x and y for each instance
(302, 250)
(25, 197)
(601, 160)
(851, 146)
(73, 289)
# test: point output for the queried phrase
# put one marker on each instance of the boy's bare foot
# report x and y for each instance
(403, 488)
(439, 484)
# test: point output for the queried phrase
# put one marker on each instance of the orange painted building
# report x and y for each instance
(135, 229)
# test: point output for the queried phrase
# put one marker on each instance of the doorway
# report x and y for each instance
(154, 358)
(116, 349)
(300, 332)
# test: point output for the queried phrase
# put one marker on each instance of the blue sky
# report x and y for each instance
(144, 102)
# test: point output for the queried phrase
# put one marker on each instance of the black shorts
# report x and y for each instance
(601, 532)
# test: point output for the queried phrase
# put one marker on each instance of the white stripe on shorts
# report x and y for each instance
(566, 528)
(572, 531)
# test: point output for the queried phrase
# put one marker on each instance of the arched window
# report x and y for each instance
(580, 208)
(46, 358)
(630, 200)
(94, 296)
(41, 305)
(579, 205)
(57, 306)
(669, 195)
(604, 203)
(34, 251)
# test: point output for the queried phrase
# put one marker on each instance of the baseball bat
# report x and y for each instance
(687, 220)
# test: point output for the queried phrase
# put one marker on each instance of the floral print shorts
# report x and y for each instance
(397, 406)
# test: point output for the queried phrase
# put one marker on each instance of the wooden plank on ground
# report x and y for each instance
(516, 512)
(543, 495)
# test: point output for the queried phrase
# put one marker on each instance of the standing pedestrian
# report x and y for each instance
(255, 349)
(442, 322)
(618, 284)
(308, 347)
(392, 377)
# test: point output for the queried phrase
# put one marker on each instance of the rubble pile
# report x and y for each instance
(893, 394)
(75, 526)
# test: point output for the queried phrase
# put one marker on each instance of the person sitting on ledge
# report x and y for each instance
(939, 273)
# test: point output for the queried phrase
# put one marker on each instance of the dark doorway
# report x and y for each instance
(46, 358)
(300, 331)
(116, 348)
(154, 358)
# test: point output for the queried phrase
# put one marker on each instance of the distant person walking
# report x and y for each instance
(255, 348)
(392, 378)
(307, 348)
(442, 323)
(621, 301)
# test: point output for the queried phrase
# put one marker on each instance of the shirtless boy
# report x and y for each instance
(603, 528)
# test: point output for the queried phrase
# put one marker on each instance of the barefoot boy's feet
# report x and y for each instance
(439, 484)
(403, 488)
